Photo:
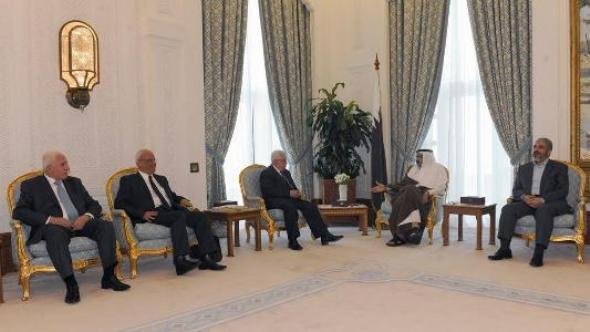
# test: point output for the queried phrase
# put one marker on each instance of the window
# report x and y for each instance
(255, 135)
(462, 133)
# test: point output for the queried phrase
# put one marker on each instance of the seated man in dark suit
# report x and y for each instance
(58, 207)
(540, 189)
(147, 197)
(280, 192)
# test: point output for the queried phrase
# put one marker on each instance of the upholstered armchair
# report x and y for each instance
(143, 239)
(272, 220)
(33, 259)
(434, 215)
(568, 227)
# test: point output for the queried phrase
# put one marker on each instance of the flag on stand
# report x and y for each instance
(378, 162)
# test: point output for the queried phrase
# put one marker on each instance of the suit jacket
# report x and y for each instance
(554, 182)
(37, 202)
(275, 186)
(135, 198)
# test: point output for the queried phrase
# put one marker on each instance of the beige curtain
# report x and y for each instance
(502, 36)
(287, 55)
(224, 37)
(417, 31)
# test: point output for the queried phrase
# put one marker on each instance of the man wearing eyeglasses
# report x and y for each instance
(147, 197)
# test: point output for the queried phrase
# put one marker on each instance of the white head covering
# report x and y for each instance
(431, 174)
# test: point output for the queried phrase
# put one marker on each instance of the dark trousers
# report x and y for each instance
(58, 238)
(403, 202)
(543, 219)
(310, 212)
(178, 220)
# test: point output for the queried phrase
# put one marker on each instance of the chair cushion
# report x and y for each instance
(86, 254)
(149, 231)
(556, 231)
(77, 244)
(563, 221)
(278, 215)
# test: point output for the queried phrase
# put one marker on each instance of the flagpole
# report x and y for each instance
(378, 160)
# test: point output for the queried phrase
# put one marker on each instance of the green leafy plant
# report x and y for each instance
(340, 130)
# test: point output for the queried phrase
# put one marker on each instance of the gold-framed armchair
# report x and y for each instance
(434, 214)
(143, 239)
(568, 227)
(34, 259)
(272, 220)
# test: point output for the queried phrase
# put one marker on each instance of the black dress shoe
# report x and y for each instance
(537, 260)
(183, 266)
(330, 238)
(501, 254)
(294, 245)
(216, 256)
(395, 242)
(72, 294)
(113, 283)
(208, 264)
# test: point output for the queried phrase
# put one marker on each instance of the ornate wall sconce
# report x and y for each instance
(78, 50)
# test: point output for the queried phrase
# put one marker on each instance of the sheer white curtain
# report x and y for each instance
(462, 134)
(255, 135)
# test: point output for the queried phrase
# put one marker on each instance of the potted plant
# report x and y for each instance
(340, 130)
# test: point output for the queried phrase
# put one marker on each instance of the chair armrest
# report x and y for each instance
(22, 253)
(123, 229)
(188, 205)
(254, 202)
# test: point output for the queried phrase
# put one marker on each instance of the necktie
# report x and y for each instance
(158, 193)
(291, 184)
(65, 200)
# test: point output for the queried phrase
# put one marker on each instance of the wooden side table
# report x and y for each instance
(236, 226)
(472, 210)
(232, 215)
(358, 211)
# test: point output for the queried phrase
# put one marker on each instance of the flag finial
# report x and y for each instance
(376, 63)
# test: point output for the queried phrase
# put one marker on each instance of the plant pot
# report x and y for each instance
(331, 194)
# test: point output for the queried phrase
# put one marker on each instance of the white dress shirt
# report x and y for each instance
(538, 170)
(63, 210)
(155, 198)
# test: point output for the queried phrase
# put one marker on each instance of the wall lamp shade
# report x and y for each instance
(78, 51)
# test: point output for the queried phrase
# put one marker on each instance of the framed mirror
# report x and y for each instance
(580, 84)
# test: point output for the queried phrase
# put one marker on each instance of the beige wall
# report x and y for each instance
(150, 94)
(347, 34)
(551, 74)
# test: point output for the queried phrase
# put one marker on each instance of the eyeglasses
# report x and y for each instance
(150, 160)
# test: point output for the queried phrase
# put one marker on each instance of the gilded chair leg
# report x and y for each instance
(527, 242)
(119, 257)
(580, 251)
(430, 234)
(270, 240)
(247, 232)
(25, 282)
(133, 266)
(378, 226)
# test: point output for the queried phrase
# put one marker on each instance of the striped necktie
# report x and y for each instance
(65, 200)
